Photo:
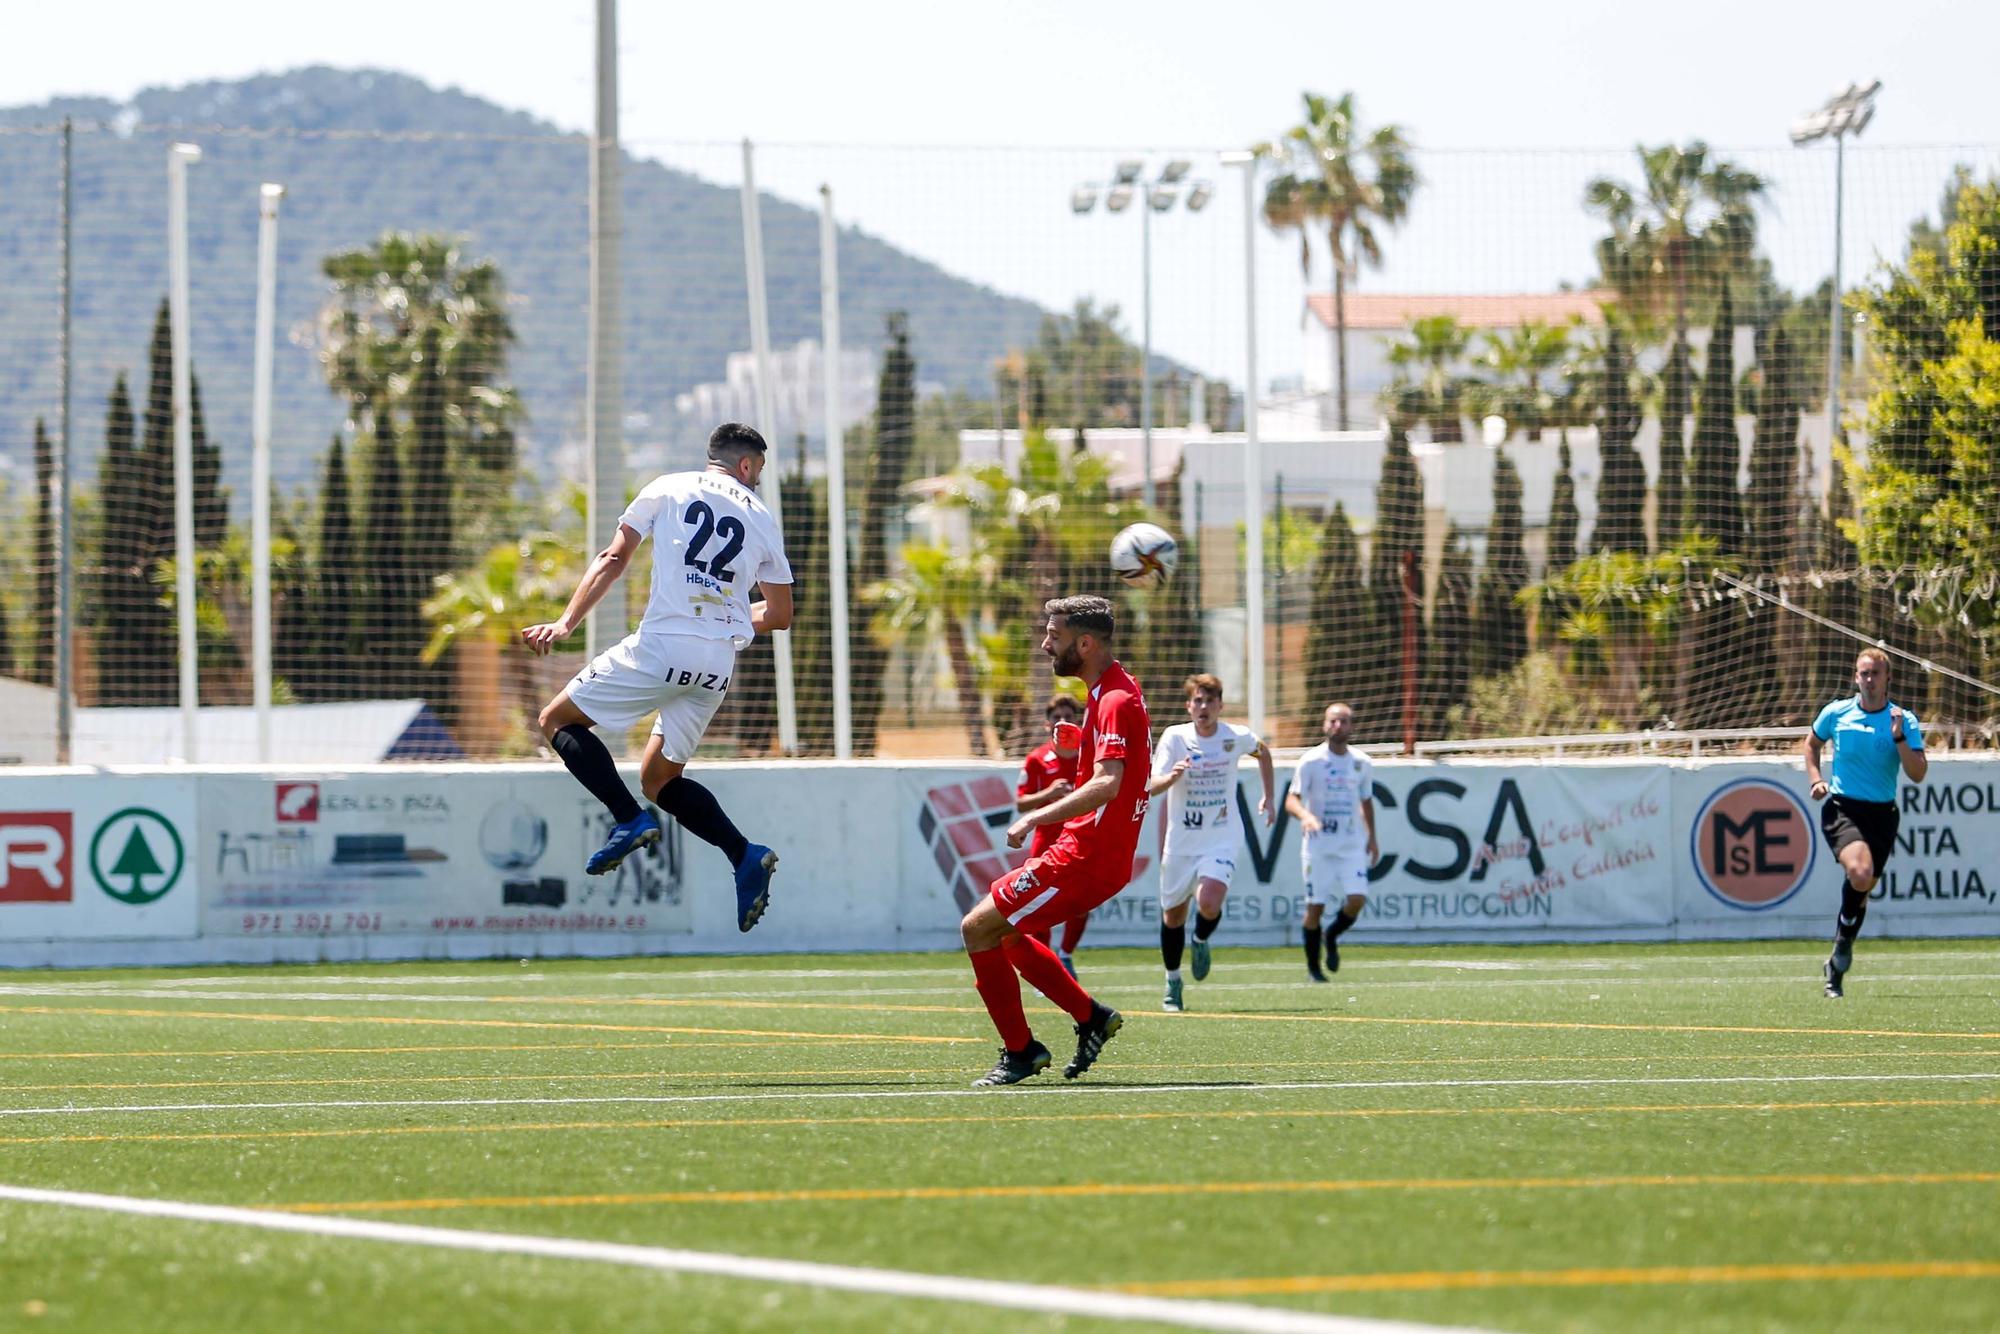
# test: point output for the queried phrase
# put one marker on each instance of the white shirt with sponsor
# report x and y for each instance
(712, 539)
(1333, 787)
(1201, 808)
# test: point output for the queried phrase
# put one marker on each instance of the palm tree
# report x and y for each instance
(935, 597)
(1335, 179)
(1426, 388)
(525, 582)
(1692, 218)
(1520, 360)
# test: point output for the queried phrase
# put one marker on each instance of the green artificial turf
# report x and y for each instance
(1536, 1138)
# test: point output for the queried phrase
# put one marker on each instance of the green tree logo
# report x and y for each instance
(136, 856)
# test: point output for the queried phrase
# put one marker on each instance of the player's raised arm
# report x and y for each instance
(605, 569)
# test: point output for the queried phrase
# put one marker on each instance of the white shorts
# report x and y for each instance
(680, 676)
(1332, 876)
(1181, 874)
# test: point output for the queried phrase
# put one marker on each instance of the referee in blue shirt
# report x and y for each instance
(1874, 744)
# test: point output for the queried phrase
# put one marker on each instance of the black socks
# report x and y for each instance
(1173, 939)
(588, 758)
(1312, 949)
(701, 815)
(1204, 927)
(1853, 908)
(1341, 922)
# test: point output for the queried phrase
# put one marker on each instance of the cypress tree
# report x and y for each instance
(1714, 505)
(1341, 627)
(1621, 474)
(1448, 643)
(1503, 627)
(389, 616)
(211, 502)
(1399, 529)
(1769, 507)
(333, 629)
(879, 501)
(1670, 488)
(40, 659)
(114, 558)
(146, 635)
(1563, 516)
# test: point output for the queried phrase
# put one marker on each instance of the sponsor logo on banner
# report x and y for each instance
(136, 856)
(35, 857)
(965, 827)
(298, 803)
(1752, 844)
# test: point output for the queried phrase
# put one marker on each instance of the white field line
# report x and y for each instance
(1623, 963)
(886, 1282)
(1044, 1090)
(687, 998)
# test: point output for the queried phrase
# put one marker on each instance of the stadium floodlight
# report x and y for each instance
(1846, 113)
(1159, 194)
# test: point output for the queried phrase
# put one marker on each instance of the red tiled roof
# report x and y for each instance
(1390, 310)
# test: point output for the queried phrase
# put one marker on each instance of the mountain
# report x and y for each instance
(362, 152)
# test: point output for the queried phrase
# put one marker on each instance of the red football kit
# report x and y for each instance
(1091, 860)
(1043, 769)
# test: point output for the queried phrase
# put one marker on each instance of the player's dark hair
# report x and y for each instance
(1062, 702)
(1203, 683)
(730, 441)
(1091, 615)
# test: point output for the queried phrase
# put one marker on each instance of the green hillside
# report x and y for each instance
(361, 152)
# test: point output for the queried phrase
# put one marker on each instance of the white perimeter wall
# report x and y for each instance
(155, 865)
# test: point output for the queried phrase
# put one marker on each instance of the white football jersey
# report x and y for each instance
(712, 539)
(1201, 808)
(1333, 788)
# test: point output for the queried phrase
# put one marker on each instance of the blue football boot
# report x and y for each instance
(753, 884)
(641, 831)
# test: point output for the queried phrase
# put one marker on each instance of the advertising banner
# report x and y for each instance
(421, 852)
(88, 858)
(1467, 850)
(1754, 861)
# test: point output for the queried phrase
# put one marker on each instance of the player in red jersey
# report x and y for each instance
(1088, 864)
(1049, 774)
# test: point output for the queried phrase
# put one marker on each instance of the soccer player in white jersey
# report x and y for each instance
(1195, 762)
(1332, 800)
(712, 539)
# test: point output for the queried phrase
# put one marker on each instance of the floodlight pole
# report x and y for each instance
(767, 422)
(836, 473)
(1146, 340)
(260, 465)
(606, 499)
(64, 629)
(1253, 453)
(1833, 311)
(179, 158)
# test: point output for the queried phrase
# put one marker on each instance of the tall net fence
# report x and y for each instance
(1560, 464)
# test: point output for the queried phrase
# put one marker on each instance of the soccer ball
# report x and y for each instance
(1144, 555)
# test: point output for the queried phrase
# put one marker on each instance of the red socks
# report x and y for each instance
(993, 974)
(1044, 972)
(1073, 933)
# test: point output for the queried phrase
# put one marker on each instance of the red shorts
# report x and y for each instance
(1054, 887)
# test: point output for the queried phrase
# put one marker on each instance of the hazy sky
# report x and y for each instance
(1168, 73)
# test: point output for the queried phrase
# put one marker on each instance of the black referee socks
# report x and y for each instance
(1853, 908)
(587, 757)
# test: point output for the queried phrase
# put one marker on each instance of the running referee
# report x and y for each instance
(1874, 743)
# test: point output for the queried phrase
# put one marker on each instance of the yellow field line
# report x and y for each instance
(430, 1021)
(289, 1081)
(994, 1118)
(1094, 1190)
(862, 1007)
(1443, 1280)
(232, 1052)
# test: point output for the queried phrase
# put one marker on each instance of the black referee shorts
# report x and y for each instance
(1844, 820)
